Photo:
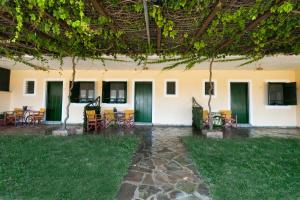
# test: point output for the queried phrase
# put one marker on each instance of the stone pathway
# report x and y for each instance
(162, 170)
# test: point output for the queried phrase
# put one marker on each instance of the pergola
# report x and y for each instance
(193, 29)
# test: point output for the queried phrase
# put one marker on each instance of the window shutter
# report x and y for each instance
(30, 87)
(290, 93)
(171, 88)
(75, 92)
(105, 92)
(275, 93)
(4, 79)
(207, 87)
(125, 88)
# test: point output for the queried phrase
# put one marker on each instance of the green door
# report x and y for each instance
(143, 102)
(239, 102)
(54, 101)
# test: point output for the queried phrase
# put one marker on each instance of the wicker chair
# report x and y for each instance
(19, 114)
(229, 119)
(9, 118)
(129, 118)
(93, 121)
(36, 117)
(205, 118)
(109, 118)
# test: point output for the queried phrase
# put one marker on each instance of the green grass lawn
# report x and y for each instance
(261, 168)
(79, 167)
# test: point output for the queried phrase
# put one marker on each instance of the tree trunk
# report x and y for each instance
(210, 120)
(70, 93)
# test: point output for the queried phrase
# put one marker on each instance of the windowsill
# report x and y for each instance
(111, 105)
(171, 95)
(79, 103)
(279, 107)
(29, 95)
(212, 96)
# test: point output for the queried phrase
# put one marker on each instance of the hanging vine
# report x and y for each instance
(68, 27)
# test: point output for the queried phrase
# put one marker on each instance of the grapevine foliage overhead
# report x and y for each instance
(194, 29)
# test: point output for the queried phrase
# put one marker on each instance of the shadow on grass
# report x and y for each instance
(77, 167)
(260, 168)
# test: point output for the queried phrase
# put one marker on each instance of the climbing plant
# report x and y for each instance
(91, 28)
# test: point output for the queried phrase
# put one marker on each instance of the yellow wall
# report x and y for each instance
(4, 101)
(168, 110)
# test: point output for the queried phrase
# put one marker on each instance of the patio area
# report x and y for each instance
(42, 129)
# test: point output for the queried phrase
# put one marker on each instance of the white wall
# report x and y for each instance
(5, 101)
(167, 110)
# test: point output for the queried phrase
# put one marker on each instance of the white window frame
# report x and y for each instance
(25, 86)
(276, 107)
(112, 105)
(85, 80)
(176, 88)
(215, 88)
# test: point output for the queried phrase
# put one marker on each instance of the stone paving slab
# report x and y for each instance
(162, 170)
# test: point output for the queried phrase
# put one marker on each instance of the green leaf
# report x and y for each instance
(199, 45)
(138, 7)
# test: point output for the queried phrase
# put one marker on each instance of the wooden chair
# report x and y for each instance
(129, 118)
(229, 120)
(36, 117)
(205, 118)
(19, 114)
(40, 115)
(109, 118)
(9, 118)
(91, 120)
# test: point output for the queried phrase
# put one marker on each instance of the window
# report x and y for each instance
(171, 89)
(114, 92)
(207, 87)
(4, 79)
(282, 93)
(29, 87)
(83, 92)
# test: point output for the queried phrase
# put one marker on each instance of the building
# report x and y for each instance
(262, 93)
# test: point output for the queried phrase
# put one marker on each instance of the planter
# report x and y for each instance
(213, 133)
(69, 131)
(60, 132)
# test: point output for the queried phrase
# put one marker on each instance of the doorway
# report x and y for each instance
(54, 101)
(240, 101)
(143, 102)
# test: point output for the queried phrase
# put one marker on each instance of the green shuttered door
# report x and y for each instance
(239, 101)
(143, 102)
(54, 101)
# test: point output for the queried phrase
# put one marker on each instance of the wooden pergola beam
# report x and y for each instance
(99, 8)
(29, 27)
(206, 23)
(61, 22)
(250, 26)
(147, 21)
(158, 39)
